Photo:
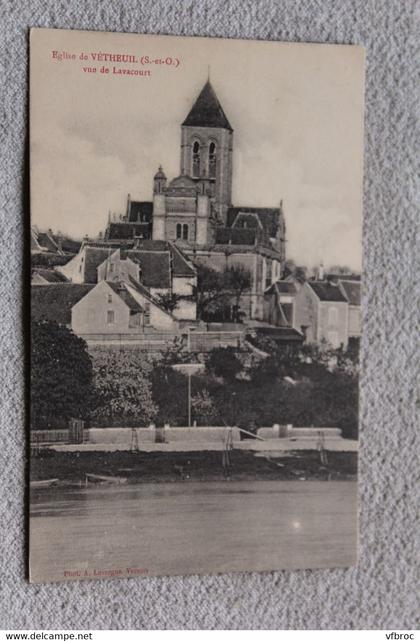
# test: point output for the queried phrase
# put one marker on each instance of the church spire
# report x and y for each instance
(207, 110)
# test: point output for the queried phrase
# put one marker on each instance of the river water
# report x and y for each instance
(191, 527)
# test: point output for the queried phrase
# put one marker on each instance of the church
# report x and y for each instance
(195, 209)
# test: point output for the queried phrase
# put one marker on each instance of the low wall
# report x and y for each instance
(199, 434)
(288, 431)
(119, 435)
(328, 432)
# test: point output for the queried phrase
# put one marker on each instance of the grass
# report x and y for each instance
(153, 467)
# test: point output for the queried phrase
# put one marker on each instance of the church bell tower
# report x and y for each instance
(206, 150)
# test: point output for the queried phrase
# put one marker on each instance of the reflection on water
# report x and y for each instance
(183, 528)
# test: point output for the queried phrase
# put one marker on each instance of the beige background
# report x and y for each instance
(296, 111)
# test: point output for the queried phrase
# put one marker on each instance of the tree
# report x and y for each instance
(238, 280)
(210, 291)
(168, 301)
(224, 362)
(169, 389)
(298, 272)
(203, 408)
(123, 388)
(341, 270)
(61, 375)
(215, 289)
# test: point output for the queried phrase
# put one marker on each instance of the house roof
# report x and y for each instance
(268, 217)
(95, 256)
(285, 287)
(235, 236)
(50, 275)
(279, 334)
(140, 211)
(46, 241)
(145, 292)
(55, 301)
(207, 111)
(230, 249)
(121, 291)
(35, 246)
(155, 266)
(180, 264)
(327, 291)
(67, 245)
(352, 290)
(127, 230)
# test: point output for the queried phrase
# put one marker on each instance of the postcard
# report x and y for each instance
(196, 256)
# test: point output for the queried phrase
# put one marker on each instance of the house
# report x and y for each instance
(160, 266)
(123, 307)
(352, 291)
(321, 312)
(43, 242)
(56, 301)
(279, 308)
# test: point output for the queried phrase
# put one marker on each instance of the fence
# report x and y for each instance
(49, 436)
(74, 434)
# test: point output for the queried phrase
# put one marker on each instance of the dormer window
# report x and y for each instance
(212, 160)
(196, 159)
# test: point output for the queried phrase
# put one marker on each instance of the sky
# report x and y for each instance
(296, 111)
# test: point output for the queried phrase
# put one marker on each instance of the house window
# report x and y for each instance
(332, 316)
(109, 298)
(179, 230)
(111, 267)
(212, 160)
(185, 232)
(196, 160)
(110, 316)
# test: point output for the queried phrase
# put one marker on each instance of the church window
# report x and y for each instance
(185, 232)
(179, 230)
(109, 298)
(196, 160)
(110, 317)
(212, 160)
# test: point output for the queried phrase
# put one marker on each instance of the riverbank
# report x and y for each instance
(154, 467)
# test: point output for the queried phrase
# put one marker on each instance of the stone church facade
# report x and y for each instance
(195, 209)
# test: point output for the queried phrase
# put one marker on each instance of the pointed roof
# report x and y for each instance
(207, 111)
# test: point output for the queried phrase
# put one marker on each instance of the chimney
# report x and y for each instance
(321, 271)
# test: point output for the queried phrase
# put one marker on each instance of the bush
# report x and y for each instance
(123, 388)
(224, 362)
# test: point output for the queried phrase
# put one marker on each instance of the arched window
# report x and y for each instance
(185, 232)
(179, 230)
(196, 160)
(212, 160)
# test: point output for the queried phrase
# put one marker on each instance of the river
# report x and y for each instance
(191, 527)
